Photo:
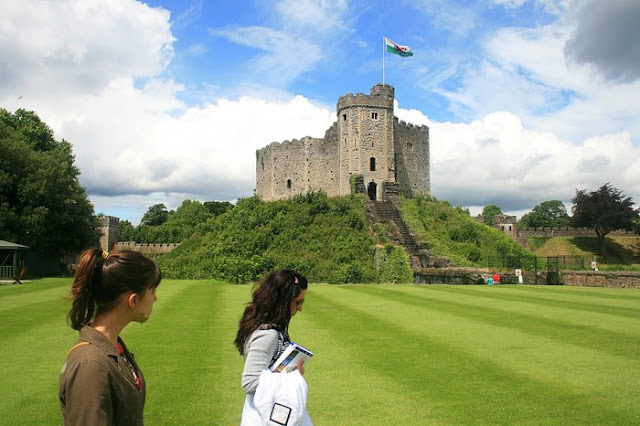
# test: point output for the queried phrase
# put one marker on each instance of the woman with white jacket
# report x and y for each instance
(272, 398)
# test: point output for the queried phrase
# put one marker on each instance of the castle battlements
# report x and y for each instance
(366, 141)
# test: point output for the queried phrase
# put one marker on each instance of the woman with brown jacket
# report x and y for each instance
(100, 382)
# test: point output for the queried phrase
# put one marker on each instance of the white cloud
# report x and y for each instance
(511, 4)
(497, 160)
(313, 15)
(79, 46)
(525, 71)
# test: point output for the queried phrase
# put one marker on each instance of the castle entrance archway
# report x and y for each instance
(372, 190)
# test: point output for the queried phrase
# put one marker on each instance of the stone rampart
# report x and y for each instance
(146, 247)
(566, 232)
(619, 279)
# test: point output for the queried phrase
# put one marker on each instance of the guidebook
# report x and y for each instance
(292, 356)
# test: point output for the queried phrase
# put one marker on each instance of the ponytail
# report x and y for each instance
(83, 289)
(101, 280)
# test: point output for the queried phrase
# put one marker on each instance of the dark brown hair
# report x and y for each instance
(101, 280)
(270, 304)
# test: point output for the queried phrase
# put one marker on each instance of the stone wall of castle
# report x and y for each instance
(567, 232)
(146, 248)
(366, 140)
(412, 153)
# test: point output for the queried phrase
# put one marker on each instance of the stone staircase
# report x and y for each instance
(386, 212)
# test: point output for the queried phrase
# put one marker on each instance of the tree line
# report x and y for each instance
(604, 210)
(159, 225)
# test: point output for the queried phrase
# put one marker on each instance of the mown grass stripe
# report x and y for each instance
(343, 388)
(33, 352)
(618, 311)
(23, 319)
(603, 322)
(551, 361)
(484, 297)
(190, 358)
(29, 293)
(625, 345)
(447, 378)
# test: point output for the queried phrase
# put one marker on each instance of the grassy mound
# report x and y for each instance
(325, 239)
(450, 232)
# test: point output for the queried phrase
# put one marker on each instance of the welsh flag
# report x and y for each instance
(394, 48)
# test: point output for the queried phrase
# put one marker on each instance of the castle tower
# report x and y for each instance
(366, 143)
(109, 232)
(365, 135)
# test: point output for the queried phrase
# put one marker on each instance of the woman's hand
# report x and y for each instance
(300, 367)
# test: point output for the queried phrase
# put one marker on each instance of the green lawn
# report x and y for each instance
(384, 354)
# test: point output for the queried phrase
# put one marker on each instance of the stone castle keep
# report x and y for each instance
(366, 147)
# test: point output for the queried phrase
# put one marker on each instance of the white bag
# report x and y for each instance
(280, 399)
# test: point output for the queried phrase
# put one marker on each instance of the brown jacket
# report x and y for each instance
(97, 386)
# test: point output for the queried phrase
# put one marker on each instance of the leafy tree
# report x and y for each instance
(32, 130)
(127, 231)
(603, 210)
(186, 219)
(488, 212)
(325, 239)
(546, 214)
(42, 204)
(217, 207)
(156, 215)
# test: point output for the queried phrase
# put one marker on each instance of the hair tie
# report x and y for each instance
(105, 254)
(295, 280)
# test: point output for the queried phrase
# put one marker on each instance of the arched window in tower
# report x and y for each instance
(374, 115)
(288, 183)
(372, 164)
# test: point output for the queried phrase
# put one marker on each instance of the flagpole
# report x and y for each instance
(383, 49)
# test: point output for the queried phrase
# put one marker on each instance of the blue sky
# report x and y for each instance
(526, 100)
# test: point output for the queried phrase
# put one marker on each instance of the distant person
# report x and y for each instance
(263, 336)
(496, 278)
(100, 382)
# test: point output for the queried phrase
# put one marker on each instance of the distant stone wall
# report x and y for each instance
(566, 232)
(620, 279)
(146, 248)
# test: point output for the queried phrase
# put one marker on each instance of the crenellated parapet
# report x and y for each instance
(381, 97)
(159, 248)
(411, 126)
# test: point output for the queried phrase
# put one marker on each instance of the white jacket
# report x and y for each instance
(280, 399)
